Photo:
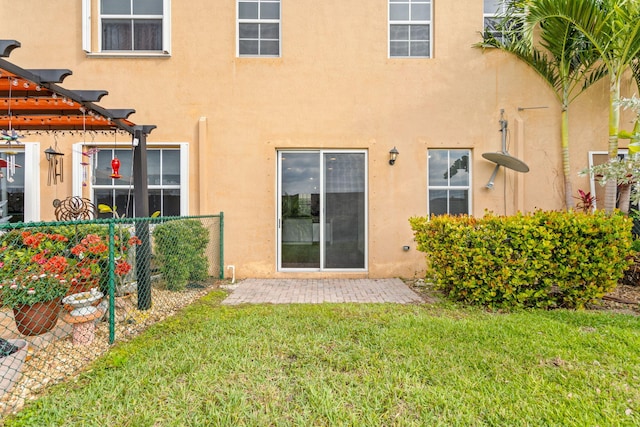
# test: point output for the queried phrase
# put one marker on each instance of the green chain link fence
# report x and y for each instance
(68, 290)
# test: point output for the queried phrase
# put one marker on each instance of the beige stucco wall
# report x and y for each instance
(333, 87)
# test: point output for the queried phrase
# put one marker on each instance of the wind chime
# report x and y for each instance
(90, 161)
(10, 137)
(54, 157)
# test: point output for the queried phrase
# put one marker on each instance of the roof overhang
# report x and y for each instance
(33, 100)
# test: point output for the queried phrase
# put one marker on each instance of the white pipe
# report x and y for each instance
(233, 273)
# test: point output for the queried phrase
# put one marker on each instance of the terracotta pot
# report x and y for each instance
(38, 318)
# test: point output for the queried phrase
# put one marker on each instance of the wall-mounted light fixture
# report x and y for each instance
(54, 158)
(393, 155)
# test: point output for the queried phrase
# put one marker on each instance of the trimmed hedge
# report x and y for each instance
(544, 259)
(180, 248)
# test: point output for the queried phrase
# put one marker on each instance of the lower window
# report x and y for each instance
(449, 182)
(11, 186)
(20, 185)
(165, 178)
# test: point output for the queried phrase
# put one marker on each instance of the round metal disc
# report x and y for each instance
(507, 160)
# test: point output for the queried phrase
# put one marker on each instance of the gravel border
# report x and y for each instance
(59, 359)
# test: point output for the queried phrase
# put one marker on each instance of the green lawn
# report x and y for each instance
(359, 365)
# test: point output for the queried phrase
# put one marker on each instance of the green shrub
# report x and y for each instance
(180, 250)
(544, 259)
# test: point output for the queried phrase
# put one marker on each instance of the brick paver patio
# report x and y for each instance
(315, 291)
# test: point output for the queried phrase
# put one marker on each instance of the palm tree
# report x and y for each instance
(612, 28)
(559, 54)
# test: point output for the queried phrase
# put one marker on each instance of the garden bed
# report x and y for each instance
(623, 299)
(60, 359)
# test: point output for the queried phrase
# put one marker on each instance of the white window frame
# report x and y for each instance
(31, 180)
(322, 226)
(450, 187)
(410, 22)
(91, 22)
(78, 159)
(258, 21)
(502, 9)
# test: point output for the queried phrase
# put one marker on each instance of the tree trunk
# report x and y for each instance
(625, 195)
(611, 188)
(566, 165)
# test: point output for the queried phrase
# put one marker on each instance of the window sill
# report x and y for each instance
(128, 54)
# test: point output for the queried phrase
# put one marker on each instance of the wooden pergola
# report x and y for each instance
(32, 100)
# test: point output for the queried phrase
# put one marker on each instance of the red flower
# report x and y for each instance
(122, 268)
(78, 250)
(58, 237)
(39, 258)
(98, 248)
(57, 264)
(32, 241)
(91, 238)
(85, 272)
(133, 240)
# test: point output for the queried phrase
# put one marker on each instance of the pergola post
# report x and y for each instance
(141, 197)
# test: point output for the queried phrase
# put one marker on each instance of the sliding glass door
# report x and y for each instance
(322, 219)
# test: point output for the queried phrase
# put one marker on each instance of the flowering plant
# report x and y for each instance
(30, 289)
(41, 266)
(92, 255)
(33, 271)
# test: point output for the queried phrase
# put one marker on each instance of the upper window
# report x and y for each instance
(259, 28)
(494, 12)
(449, 182)
(410, 28)
(127, 26)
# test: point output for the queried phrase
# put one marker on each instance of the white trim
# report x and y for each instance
(166, 27)
(86, 25)
(184, 179)
(133, 54)
(259, 21)
(468, 187)
(32, 182)
(428, 22)
(76, 178)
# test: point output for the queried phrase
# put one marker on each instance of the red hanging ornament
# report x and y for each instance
(115, 165)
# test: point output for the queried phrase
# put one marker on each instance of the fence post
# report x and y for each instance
(143, 264)
(112, 279)
(221, 275)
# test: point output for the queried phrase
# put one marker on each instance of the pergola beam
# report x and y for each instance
(6, 46)
(51, 75)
